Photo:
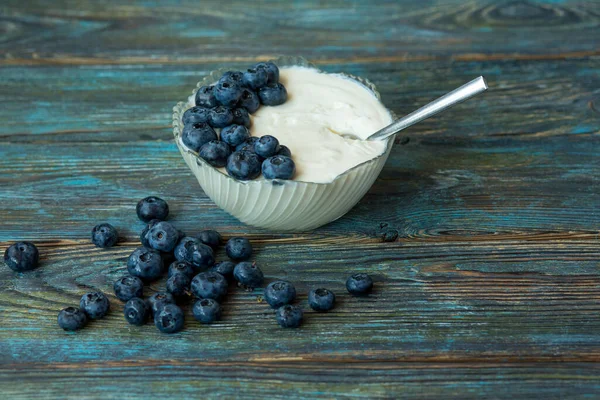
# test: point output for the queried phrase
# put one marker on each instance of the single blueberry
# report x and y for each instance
(280, 293)
(152, 208)
(178, 285)
(224, 268)
(284, 151)
(255, 78)
(195, 252)
(267, 146)
(159, 300)
(128, 287)
(209, 285)
(220, 117)
(359, 284)
(249, 100)
(210, 238)
(232, 76)
(95, 304)
(248, 145)
(238, 249)
(194, 136)
(243, 165)
(207, 311)
(181, 267)
(145, 263)
(163, 236)
(22, 256)
(215, 153)
(321, 299)
(144, 234)
(289, 316)
(278, 167)
(71, 319)
(104, 235)
(228, 92)
(241, 117)
(272, 70)
(234, 135)
(169, 319)
(136, 311)
(205, 97)
(273, 94)
(248, 274)
(195, 115)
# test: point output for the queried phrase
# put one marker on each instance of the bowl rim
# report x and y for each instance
(282, 61)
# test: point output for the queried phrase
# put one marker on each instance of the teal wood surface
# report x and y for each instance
(491, 290)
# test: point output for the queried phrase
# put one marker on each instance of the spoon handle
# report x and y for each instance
(456, 96)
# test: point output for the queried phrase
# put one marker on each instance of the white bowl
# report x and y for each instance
(280, 205)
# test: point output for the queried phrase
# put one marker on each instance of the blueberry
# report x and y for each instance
(234, 135)
(359, 284)
(215, 153)
(195, 252)
(194, 115)
(104, 235)
(267, 146)
(241, 117)
(220, 117)
(128, 287)
(238, 249)
(152, 208)
(232, 76)
(224, 268)
(228, 92)
(169, 319)
(71, 319)
(178, 285)
(209, 285)
(144, 234)
(243, 165)
(22, 256)
(272, 70)
(273, 94)
(249, 100)
(205, 97)
(278, 167)
(284, 151)
(210, 238)
(145, 263)
(280, 293)
(181, 267)
(159, 300)
(136, 311)
(321, 299)
(289, 316)
(194, 136)
(255, 78)
(207, 311)
(163, 236)
(248, 274)
(95, 304)
(247, 145)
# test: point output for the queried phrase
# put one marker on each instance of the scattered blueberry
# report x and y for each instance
(234, 135)
(267, 146)
(136, 311)
(389, 235)
(247, 145)
(128, 287)
(209, 285)
(241, 117)
(238, 249)
(178, 285)
(205, 97)
(207, 311)
(321, 299)
(195, 252)
(144, 233)
(152, 208)
(228, 92)
(255, 78)
(169, 319)
(359, 284)
(249, 100)
(159, 300)
(284, 151)
(145, 263)
(215, 153)
(104, 235)
(273, 94)
(272, 71)
(243, 165)
(289, 316)
(210, 238)
(278, 167)
(195, 135)
(71, 319)
(280, 293)
(194, 115)
(224, 268)
(163, 236)
(232, 76)
(181, 267)
(95, 304)
(248, 274)
(22, 256)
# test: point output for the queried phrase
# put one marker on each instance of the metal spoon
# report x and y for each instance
(456, 96)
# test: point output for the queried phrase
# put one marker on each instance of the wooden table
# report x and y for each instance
(491, 289)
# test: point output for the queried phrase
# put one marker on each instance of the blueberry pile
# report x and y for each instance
(217, 128)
